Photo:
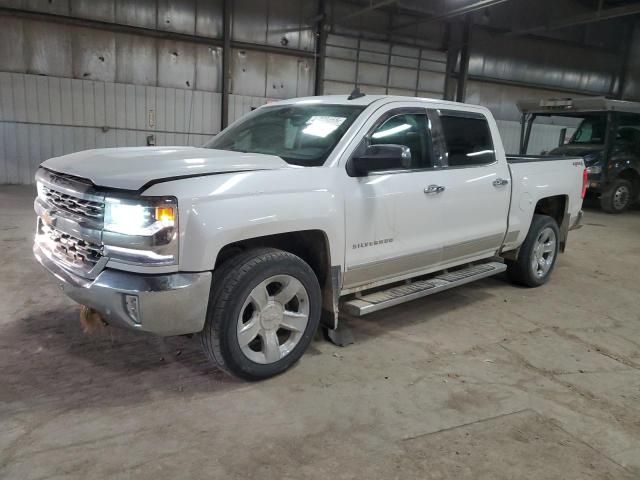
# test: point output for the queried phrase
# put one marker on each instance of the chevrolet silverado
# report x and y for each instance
(302, 209)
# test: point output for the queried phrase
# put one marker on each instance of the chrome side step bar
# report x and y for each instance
(382, 299)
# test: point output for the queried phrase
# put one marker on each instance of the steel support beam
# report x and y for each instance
(465, 53)
(623, 76)
(452, 48)
(457, 12)
(149, 32)
(226, 61)
(321, 47)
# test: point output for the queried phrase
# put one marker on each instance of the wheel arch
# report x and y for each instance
(556, 207)
(314, 248)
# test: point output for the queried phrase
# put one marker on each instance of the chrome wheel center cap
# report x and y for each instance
(271, 316)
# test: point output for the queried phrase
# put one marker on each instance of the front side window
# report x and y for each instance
(591, 130)
(468, 139)
(409, 130)
(300, 134)
(628, 131)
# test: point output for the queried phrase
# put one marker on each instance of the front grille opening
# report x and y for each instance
(78, 206)
(73, 250)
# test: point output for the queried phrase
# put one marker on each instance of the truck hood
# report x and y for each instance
(133, 168)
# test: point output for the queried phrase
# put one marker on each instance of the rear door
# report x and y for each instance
(477, 192)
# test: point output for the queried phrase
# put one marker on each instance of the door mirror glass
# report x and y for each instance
(380, 157)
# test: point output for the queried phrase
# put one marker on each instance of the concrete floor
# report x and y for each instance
(488, 381)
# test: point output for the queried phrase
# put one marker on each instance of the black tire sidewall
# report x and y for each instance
(520, 271)
(539, 223)
(606, 199)
(227, 316)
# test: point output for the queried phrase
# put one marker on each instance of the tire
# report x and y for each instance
(537, 257)
(256, 326)
(618, 196)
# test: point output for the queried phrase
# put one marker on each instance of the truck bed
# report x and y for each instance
(534, 177)
(538, 158)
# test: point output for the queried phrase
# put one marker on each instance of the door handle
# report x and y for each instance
(500, 182)
(431, 189)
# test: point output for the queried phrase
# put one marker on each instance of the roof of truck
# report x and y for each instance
(365, 100)
(567, 106)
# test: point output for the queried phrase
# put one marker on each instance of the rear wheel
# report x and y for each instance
(617, 197)
(264, 310)
(537, 255)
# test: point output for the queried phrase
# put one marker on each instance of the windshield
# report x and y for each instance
(299, 134)
(591, 130)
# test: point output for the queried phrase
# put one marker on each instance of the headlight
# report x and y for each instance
(141, 230)
(139, 217)
(594, 170)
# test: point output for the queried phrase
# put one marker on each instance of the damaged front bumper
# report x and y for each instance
(167, 304)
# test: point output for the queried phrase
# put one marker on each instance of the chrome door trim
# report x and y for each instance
(471, 247)
(382, 269)
(407, 264)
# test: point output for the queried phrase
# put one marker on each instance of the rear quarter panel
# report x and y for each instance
(533, 181)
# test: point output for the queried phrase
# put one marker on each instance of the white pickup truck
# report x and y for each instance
(303, 209)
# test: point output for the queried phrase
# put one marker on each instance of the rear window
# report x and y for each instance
(468, 139)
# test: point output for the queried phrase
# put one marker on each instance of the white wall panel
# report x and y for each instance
(41, 117)
(46, 48)
(93, 54)
(379, 67)
(141, 13)
(12, 58)
(240, 105)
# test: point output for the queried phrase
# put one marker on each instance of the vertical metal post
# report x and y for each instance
(527, 135)
(463, 74)
(452, 57)
(417, 89)
(226, 61)
(355, 85)
(523, 123)
(321, 47)
(623, 75)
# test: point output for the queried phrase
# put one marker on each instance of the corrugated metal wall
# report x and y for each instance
(42, 117)
(378, 67)
(66, 87)
(632, 84)
(505, 69)
(501, 100)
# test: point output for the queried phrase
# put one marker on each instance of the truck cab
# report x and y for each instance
(606, 134)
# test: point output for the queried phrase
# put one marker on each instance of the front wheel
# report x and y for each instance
(537, 255)
(617, 197)
(264, 310)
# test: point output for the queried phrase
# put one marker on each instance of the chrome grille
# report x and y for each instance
(73, 250)
(76, 205)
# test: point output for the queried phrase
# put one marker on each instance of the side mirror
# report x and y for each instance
(380, 157)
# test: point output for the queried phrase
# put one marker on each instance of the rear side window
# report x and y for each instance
(468, 139)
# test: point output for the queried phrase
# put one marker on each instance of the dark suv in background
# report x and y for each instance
(606, 136)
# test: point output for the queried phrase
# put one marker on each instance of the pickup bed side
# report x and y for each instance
(543, 185)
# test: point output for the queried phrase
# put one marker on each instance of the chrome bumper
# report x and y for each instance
(169, 304)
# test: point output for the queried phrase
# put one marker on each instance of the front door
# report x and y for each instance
(391, 220)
